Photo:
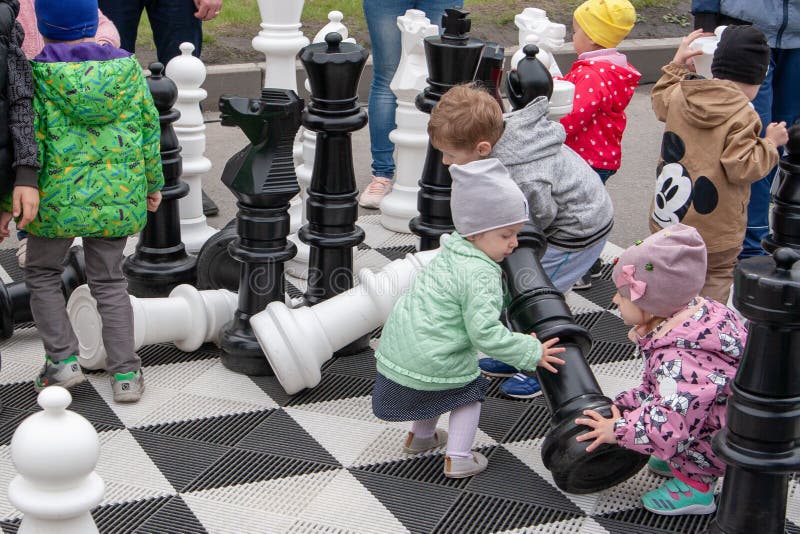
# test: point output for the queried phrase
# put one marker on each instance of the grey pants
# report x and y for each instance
(108, 286)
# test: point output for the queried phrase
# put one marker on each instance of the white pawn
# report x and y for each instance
(189, 73)
(187, 317)
(303, 152)
(298, 341)
(411, 135)
(536, 28)
(280, 39)
(55, 453)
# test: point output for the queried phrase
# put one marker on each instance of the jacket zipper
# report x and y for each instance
(782, 27)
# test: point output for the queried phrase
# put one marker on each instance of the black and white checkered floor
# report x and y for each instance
(208, 450)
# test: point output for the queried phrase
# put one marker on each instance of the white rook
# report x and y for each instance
(189, 73)
(298, 341)
(187, 317)
(411, 136)
(280, 39)
(55, 452)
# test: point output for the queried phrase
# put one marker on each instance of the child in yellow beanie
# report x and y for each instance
(604, 83)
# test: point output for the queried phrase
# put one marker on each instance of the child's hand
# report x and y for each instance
(548, 354)
(25, 204)
(684, 53)
(602, 428)
(153, 200)
(776, 133)
(5, 218)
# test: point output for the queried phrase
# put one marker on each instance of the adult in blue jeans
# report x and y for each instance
(384, 35)
(778, 99)
(173, 22)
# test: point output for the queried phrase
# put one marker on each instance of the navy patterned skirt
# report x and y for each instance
(394, 402)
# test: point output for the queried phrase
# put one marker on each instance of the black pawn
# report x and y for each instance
(452, 59)
(537, 306)
(15, 298)
(262, 178)
(160, 262)
(490, 70)
(785, 210)
(334, 69)
(530, 80)
(761, 443)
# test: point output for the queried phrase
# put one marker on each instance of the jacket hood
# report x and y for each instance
(709, 103)
(521, 126)
(14, 4)
(700, 329)
(462, 247)
(80, 89)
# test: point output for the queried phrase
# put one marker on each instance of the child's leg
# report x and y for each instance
(463, 425)
(565, 267)
(109, 288)
(424, 429)
(719, 274)
(48, 306)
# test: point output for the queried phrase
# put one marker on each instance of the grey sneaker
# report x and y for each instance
(415, 445)
(127, 387)
(66, 373)
(464, 467)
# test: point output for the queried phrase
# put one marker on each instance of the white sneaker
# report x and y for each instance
(22, 250)
(374, 193)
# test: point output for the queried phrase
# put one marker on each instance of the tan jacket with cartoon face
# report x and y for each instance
(710, 154)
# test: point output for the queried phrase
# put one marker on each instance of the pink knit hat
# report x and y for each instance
(664, 272)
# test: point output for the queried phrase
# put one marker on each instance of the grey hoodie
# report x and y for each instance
(567, 199)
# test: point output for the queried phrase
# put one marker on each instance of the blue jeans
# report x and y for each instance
(565, 267)
(172, 21)
(381, 16)
(776, 101)
(604, 174)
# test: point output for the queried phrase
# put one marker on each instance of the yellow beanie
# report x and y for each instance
(606, 22)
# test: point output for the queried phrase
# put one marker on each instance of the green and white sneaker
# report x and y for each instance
(66, 373)
(127, 387)
(659, 467)
(678, 498)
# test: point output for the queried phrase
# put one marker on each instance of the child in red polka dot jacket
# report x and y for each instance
(604, 83)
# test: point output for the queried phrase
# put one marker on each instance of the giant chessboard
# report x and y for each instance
(209, 450)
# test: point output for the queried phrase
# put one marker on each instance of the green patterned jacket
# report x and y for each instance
(99, 144)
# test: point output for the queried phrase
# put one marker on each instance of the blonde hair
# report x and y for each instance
(466, 115)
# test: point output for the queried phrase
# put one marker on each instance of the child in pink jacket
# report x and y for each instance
(691, 348)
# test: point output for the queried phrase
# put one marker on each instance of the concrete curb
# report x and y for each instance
(246, 79)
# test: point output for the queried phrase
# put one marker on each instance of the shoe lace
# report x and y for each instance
(377, 186)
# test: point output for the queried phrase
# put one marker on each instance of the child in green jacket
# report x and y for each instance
(99, 141)
(427, 360)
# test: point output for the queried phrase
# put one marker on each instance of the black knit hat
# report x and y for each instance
(742, 55)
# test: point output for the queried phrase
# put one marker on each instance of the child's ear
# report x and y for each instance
(484, 148)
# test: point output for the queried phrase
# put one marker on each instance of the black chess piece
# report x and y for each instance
(262, 178)
(15, 298)
(490, 70)
(536, 306)
(334, 69)
(160, 262)
(452, 59)
(785, 210)
(761, 442)
(529, 81)
(215, 267)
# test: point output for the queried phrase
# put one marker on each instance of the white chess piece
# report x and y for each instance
(55, 452)
(536, 28)
(189, 73)
(702, 63)
(303, 152)
(187, 317)
(411, 135)
(560, 103)
(298, 341)
(280, 39)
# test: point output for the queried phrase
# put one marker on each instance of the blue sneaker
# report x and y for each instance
(492, 367)
(521, 386)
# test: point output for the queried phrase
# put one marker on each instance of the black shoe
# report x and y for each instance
(596, 270)
(209, 208)
(584, 282)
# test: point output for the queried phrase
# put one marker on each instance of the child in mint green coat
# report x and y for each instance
(427, 360)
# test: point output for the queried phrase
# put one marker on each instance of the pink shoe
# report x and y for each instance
(377, 189)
